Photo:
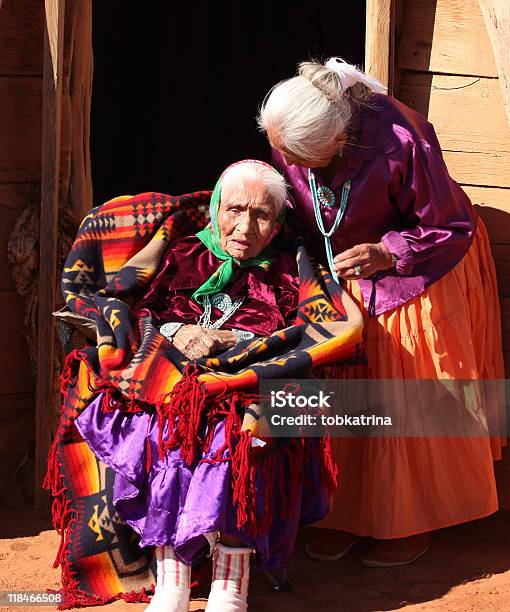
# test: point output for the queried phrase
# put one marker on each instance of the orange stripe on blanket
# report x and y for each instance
(81, 462)
(101, 575)
(342, 346)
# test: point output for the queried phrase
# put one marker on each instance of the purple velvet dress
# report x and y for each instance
(173, 502)
(401, 194)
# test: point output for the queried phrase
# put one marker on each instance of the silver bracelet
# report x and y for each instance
(170, 329)
(242, 334)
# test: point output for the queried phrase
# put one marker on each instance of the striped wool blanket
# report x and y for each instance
(116, 253)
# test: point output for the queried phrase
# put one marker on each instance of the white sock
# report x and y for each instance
(230, 580)
(172, 584)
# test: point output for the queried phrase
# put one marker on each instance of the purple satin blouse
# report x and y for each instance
(401, 194)
(271, 296)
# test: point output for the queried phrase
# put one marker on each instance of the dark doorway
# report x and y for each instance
(177, 84)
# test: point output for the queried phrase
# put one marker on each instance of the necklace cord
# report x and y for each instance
(338, 219)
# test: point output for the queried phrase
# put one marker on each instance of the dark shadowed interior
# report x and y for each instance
(177, 85)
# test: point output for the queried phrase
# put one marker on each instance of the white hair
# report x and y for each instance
(272, 181)
(310, 110)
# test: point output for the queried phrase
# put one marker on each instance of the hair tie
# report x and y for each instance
(350, 75)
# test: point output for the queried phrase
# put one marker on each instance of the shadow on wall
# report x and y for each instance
(498, 225)
(416, 19)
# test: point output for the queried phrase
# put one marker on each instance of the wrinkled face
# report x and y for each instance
(319, 161)
(246, 218)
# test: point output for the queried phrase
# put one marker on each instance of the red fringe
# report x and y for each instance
(114, 400)
(63, 516)
(329, 468)
(225, 408)
(243, 482)
(181, 410)
(137, 597)
(273, 462)
(110, 399)
(216, 413)
(54, 480)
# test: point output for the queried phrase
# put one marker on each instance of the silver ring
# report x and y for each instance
(357, 270)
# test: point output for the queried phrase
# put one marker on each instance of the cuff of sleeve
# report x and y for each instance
(398, 246)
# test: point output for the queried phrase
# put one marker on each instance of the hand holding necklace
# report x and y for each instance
(362, 261)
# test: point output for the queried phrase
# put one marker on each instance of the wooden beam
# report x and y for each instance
(470, 122)
(75, 167)
(496, 14)
(379, 40)
(447, 36)
(51, 135)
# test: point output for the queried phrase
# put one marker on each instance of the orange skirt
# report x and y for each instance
(392, 488)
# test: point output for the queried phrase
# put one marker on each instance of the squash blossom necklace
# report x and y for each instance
(326, 197)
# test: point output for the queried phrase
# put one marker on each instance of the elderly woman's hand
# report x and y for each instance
(369, 257)
(196, 342)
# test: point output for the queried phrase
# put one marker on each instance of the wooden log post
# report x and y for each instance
(380, 41)
(75, 165)
(51, 136)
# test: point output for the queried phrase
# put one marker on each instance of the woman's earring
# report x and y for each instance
(341, 146)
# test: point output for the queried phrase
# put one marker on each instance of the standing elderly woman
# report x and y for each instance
(372, 189)
(224, 284)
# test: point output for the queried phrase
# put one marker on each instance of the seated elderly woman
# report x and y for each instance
(213, 289)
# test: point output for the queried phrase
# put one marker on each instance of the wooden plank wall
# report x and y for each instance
(448, 73)
(496, 15)
(21, 44)
(22, 25)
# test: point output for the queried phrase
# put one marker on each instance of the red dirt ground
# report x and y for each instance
(467, 568)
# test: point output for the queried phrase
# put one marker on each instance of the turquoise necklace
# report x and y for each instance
(338, 219)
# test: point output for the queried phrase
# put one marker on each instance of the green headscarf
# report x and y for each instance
(210, 236)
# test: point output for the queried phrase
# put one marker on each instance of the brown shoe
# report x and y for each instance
(400, 551)
(331, 545)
